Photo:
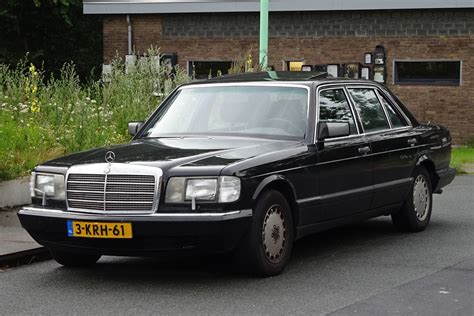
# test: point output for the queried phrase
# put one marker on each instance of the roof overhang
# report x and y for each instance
(201, 6)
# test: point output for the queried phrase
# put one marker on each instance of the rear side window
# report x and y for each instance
(395, 117)
(370, 110)
(333, 107)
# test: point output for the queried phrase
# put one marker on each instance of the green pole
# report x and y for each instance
(264, 34)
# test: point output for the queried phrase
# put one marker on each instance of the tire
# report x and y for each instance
(75, 260)
(415, 214)
(266, 247)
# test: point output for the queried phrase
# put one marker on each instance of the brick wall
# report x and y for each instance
(323, 24)
(322, 38)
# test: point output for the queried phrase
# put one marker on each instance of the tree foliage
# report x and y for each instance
(50, 32)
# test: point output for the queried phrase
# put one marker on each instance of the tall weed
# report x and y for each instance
(41, 118)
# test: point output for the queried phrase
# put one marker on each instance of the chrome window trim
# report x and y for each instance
(369, 85)
(354, 109)
(116, 169)
(377, 95)
(258, 84)
(395, 104)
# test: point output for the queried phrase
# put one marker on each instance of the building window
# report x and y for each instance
(208, 69)
(428, 72)
(294, 65)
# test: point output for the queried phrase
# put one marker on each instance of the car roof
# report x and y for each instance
(302, 77)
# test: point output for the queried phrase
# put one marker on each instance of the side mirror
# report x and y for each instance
(333, 129)
(134, 127)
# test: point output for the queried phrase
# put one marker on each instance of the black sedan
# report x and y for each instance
(245, 164)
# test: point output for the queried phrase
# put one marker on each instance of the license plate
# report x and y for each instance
(99, 229)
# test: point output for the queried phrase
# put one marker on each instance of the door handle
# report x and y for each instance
(364, 150)
(412, 141)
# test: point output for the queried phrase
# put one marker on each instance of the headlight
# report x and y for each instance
(201, 189)
(51, 184)
(45, 183)
(181, 190)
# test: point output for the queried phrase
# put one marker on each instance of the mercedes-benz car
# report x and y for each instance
(244, 164)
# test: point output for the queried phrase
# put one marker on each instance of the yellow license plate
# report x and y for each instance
(99, 229)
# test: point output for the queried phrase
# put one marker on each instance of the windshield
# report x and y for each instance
(261, 111)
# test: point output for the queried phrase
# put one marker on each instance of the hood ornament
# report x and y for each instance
(109, 157)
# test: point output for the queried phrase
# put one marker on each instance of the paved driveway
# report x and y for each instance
(367, 268)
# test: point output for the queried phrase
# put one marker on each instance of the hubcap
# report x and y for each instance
(274, 234)
(421, 197)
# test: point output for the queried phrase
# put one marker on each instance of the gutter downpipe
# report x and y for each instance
(129, 25)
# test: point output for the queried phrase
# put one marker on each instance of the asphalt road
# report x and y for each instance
(363, 269)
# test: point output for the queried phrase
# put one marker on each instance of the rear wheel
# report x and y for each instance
(266, 249)
(68, 259)
(415, 214)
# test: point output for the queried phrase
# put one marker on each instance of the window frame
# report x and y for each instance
(152, 119)
(346, 86)
(380, 95)
(355, 115)
(426, 82)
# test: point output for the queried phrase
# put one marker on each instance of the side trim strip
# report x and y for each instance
(36, 211)
(335, 195)
(354, 191)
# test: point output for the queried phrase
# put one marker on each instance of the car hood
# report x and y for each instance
(168, 153)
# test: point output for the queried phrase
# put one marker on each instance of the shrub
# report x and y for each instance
(41, 118)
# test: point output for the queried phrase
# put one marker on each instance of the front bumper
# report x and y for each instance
(152, 233)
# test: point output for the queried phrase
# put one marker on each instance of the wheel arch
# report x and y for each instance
(426, 162)
(283, 185)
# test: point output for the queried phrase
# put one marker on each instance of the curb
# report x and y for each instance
(24, 257)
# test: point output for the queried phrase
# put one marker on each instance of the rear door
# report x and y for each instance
(344, 165)
(393, 143)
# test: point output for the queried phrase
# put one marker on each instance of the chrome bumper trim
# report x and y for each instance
(158, 217)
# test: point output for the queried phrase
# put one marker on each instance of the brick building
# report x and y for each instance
(428, 56)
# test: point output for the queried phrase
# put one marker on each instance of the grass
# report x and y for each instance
(43, 118)
(461, 156)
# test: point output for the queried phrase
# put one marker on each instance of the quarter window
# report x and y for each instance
(333, 107)
(395, 117)
(370, 110)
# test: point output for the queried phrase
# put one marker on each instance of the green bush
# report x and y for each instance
(41, 118)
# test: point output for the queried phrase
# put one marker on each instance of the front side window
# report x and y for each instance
(261, 111)
(370, 110)
(333, 107)
(395, 117)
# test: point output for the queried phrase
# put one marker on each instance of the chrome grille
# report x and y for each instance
(113, 192)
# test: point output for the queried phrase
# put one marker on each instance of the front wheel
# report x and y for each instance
(415, 214)
(266, 248)
(68, 259)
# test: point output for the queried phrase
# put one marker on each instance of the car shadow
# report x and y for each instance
(210, 268)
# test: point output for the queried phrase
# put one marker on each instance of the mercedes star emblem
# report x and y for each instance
(110, 156)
